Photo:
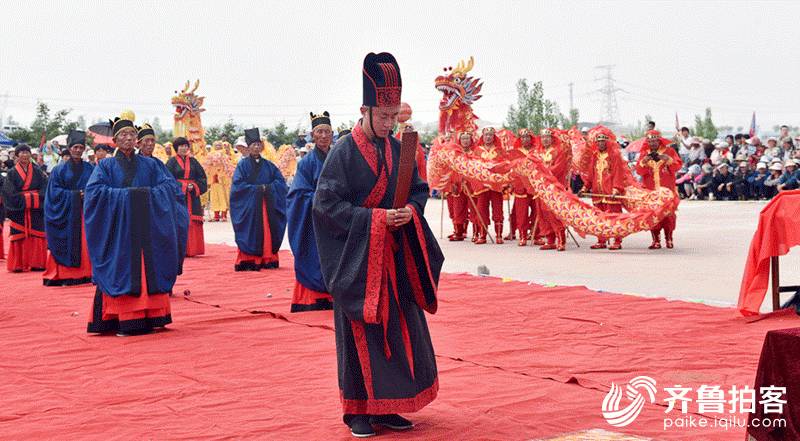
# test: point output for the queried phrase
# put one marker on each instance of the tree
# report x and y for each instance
(346, 126)
(533, 111)
(704, 126)
(49, 125)
(228, 131)
(162, 136)
(81, 122)
(640, 128)
(280, 134)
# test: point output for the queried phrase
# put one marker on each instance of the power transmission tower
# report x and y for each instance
(571, 103)
(609, 91)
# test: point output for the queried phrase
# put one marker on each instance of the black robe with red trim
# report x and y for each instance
(381, 280)
(193, 174)
(23, 194)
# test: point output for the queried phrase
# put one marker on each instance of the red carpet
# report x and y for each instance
(516, 361)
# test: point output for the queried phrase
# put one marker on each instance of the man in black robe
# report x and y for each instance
(380, 263)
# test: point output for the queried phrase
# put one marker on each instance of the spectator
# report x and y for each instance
(789, 180)
(300, 142)
(787, 151)
(686, 182)
(723, 183)
(756, 180)
(703, 185)
(784, 135)
(696, 154)
(651, 125)
(720, 153)
(708, 148)
(774, 179)
(741, 184)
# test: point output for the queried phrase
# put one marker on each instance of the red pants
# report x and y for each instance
(458, 208)
(525, 214)
(668, 225)
(608, 208)
(495, 199)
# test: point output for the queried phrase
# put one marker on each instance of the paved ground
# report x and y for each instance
(711, 241)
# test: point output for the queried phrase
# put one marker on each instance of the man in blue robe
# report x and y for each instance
(258, 208)
(136, 225)
(310, 293)
(68, 262)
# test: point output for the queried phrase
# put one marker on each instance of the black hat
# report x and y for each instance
(65, 152)
(105, 147)
(320, 120)
(144, 131)
(251, 136)
(76, 137)
(179, 141)
(118, 124)
(21, 148)
(382, 82)
(344, 132)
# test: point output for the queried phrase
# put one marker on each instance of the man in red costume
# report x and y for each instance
(657, 165)
(490, 149)
(605, 176)
(556, 157)
(458, 204)
(524, 212)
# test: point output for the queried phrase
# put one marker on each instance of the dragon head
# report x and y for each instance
(457, 87)
(186, 101)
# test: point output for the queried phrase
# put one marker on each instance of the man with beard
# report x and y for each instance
(68, 262)
(380, 261)
(310, 293)
(136, 234)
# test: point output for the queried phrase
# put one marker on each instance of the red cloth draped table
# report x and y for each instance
(778, 367)
(778, 230)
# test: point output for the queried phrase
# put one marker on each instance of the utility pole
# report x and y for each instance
(609, 91)
(571, 103)
(3, 109)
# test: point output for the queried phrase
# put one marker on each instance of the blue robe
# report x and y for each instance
(63, 211)
(301, 228)
(247, 194)
(134, 210)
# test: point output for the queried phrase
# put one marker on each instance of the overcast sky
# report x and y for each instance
(261, 62)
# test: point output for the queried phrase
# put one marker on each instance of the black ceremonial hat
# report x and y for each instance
(382, 81)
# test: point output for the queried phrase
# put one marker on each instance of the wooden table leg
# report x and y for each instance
(776, 285)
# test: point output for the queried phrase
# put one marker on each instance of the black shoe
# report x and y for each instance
(360, 426)
(393, 421)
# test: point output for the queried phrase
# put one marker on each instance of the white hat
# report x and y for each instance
(772, 138)
(742, 163)
(240, 142)
(89, 152)
(724, 164)
(707, 167)
(777, 167)
(304, 150)
(694, 140)
(761, 165)
(790, 163)
(584, 130)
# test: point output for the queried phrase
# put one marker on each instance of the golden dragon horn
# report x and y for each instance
(196, 85)
(186, 87)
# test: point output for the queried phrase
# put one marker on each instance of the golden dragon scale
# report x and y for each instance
(646, 209)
